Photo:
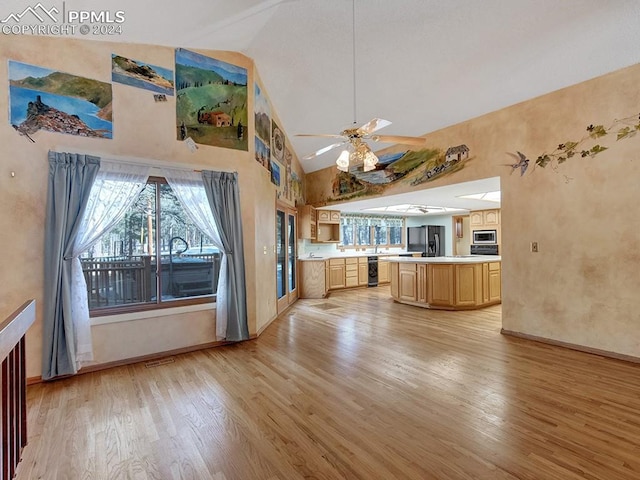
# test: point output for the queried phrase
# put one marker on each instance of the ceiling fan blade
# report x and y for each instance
(323, 150)
(329, 135)
(373, 125)
(398, 139)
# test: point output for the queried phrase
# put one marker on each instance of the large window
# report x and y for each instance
(371, 230)
(154, 257)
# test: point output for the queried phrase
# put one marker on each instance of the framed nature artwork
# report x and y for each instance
(141, 75)
(211, 101)
(44, 99)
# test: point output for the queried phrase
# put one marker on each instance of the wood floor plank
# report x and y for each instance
(354, 386)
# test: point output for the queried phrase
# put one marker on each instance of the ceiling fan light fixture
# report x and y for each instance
(343, 161)
(370, 161)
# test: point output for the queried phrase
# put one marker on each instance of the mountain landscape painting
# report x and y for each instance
(262, 112)
(211, 101)
(44, 99)
(141, 75)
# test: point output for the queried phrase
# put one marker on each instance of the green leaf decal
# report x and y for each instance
(623, 132)
(597, 149)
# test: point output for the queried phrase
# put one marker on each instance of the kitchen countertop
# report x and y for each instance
(454, 259)
(307, 258)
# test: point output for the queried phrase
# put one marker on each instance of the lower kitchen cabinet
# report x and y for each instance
(351, 272)
(336, 273)
(363, 271)
(440, 289)
(383, 271)
(408, 282)
(314, 278)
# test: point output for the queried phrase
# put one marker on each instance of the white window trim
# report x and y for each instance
(160, 312)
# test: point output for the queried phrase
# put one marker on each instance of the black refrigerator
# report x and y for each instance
(427, 239)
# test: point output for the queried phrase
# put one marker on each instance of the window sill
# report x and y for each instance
(160, 312)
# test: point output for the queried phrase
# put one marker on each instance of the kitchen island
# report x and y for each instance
(448, 283)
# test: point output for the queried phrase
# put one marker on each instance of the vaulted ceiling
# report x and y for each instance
(422, 64)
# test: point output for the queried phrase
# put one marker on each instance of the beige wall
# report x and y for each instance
(144, 129)
(582, 287)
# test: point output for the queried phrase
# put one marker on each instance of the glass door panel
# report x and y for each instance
(291, 234)
(281, 257)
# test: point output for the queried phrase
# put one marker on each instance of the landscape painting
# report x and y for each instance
(275, 173)
(44, 99)
(211, 101)
(141, 75)
(263, 154)
(262, 112)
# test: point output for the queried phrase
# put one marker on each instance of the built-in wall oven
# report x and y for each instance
(485, 237)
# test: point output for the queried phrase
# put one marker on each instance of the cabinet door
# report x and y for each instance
(363, 273)
(307, 222)
(335, 216)
(323, 215)
(408, 282)
(468, 284)
(476, 219)
(336, 277)
(422, 283)
(495, 288)
(492, 217)
(440, 285)
(383, 272)
(393, 278)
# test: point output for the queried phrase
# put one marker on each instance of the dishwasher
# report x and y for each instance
(372, 264)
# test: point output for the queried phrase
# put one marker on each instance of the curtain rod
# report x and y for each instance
(152, 162)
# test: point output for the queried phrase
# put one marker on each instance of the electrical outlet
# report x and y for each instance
(534, 247)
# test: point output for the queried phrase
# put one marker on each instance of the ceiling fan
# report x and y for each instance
(356, 150)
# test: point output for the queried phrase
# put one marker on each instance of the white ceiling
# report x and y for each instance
(422, 64)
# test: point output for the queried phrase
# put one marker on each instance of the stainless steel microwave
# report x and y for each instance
(481, 237)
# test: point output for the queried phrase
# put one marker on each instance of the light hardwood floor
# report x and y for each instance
(349, 387)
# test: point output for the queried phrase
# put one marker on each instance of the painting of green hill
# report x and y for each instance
(211, 102)
(413, 159)
(98, 93)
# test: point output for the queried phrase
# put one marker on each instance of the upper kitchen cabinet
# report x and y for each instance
(484, 219)
(328, 216)
(328, 226)
(307, 222)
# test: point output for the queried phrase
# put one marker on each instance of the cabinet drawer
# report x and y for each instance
(351, 268)
(351, 261)
(336, 261)
(363, 260)
(351, 281)
(494, 266)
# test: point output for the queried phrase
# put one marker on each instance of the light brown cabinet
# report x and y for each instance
(351, 272)
(408, 282)
(336, 273)
(307, 222)
(476, 219)
(394, 268)
(440, 288)
(328, 216)
(314, 278)
(449, 286)
(491, 217)
(383, 271)
(363, 271)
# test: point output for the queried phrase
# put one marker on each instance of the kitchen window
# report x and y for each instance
(370, 230)
(155, 257)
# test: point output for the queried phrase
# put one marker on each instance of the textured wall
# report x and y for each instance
(582, 287)
(141, 129)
